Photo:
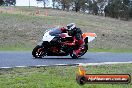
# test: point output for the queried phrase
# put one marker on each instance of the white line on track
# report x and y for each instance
(104, 63)
(77, 64)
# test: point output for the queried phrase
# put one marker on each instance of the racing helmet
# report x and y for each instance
(70, 28)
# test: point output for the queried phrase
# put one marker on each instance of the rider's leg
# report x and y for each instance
(80, 43)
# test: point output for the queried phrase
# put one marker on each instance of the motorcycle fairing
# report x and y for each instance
(50, 34)
(91, 36)
(47, 37)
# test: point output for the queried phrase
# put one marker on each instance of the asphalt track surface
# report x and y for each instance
(12, 59)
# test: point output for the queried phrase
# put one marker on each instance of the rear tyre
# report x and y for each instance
(38, 52)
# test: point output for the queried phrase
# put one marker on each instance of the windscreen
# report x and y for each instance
(55, 31)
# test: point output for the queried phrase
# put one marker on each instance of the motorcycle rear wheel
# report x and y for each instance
(38, 52)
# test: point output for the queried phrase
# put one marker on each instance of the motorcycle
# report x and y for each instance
(53, 44)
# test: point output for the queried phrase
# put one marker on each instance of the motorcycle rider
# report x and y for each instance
(76, 34)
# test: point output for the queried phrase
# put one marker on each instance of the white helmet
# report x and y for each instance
(71, 26)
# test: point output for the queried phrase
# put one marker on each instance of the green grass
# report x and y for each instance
(8, 48)
(20, 47)
(23, 48)
(16, 47)
(58, 77)
(110, 50)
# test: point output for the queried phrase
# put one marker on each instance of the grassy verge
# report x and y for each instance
(110, 50)
(22, 48)
(15, 49)
(58, 77)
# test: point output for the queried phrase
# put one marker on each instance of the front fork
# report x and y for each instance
(86, 45)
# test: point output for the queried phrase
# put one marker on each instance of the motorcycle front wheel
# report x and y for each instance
(38, 51)
(82, 52)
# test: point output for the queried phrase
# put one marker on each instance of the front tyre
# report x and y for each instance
(38, 52)
(83, 50)
(73, 55)
(81, 53)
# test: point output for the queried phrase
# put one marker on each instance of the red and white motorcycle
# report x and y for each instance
(53, 44)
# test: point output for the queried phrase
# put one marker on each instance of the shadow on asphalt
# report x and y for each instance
(59, 58)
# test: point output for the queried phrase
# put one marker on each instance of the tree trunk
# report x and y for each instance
(44, 3)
